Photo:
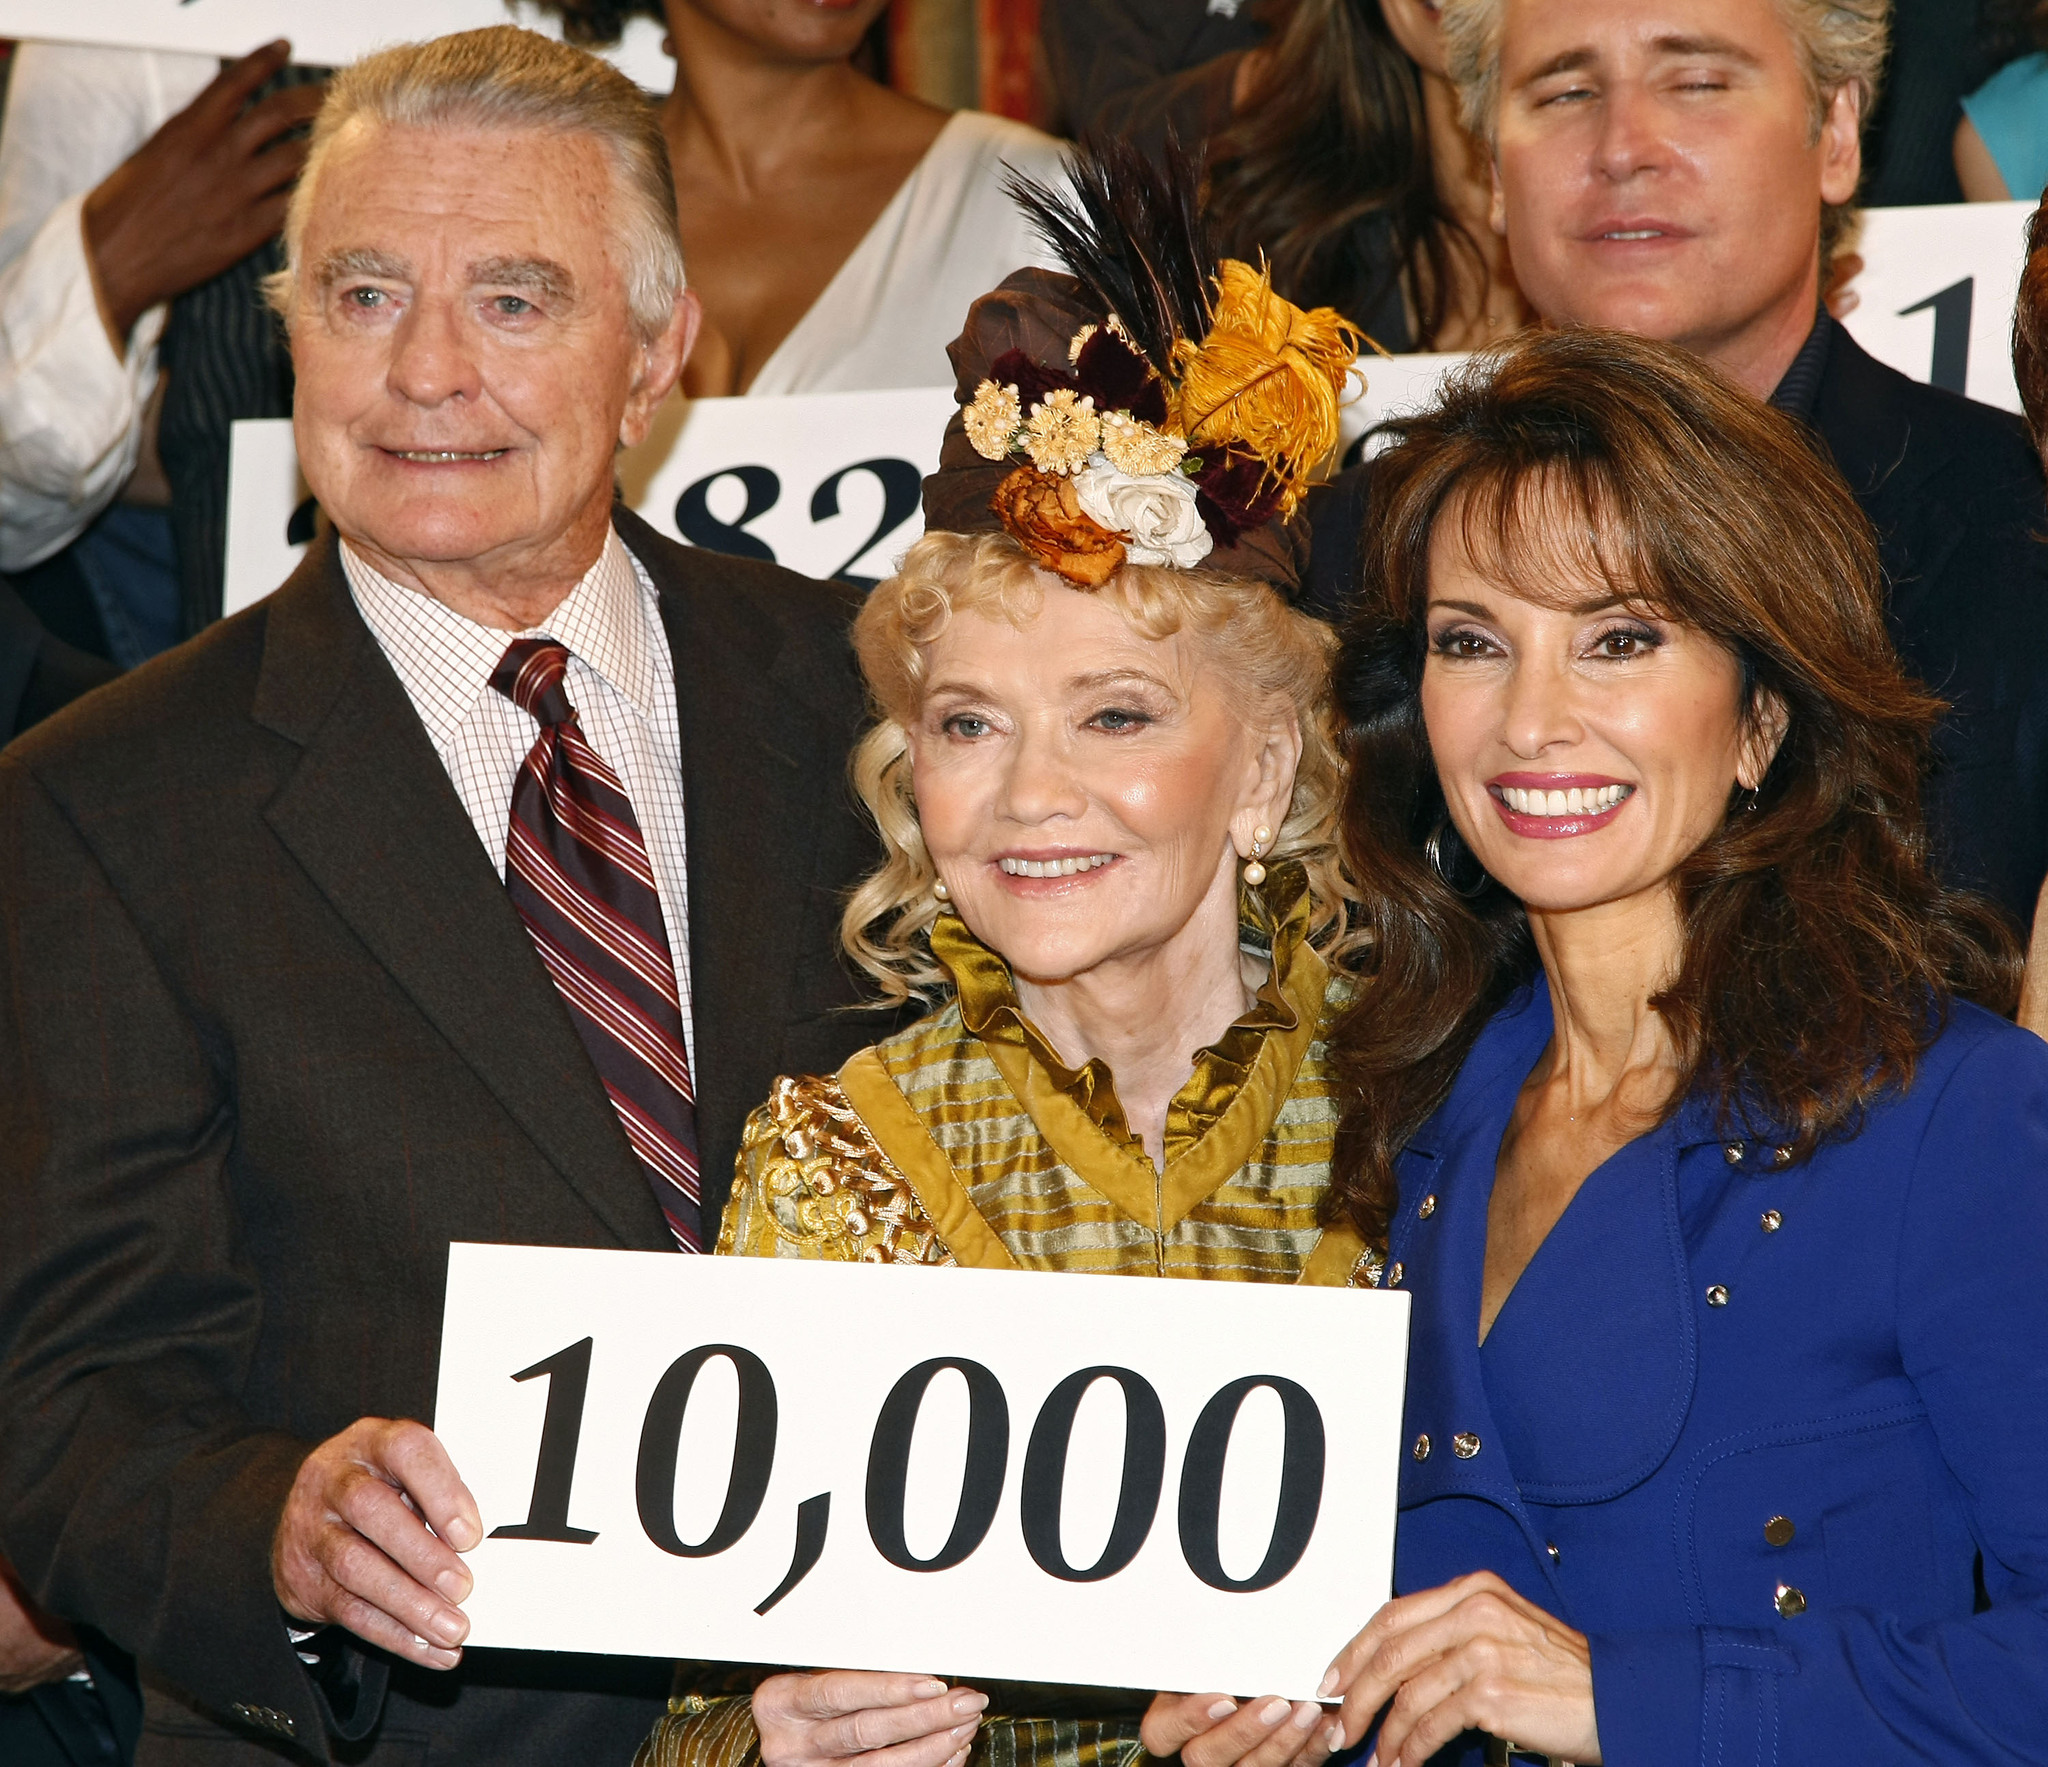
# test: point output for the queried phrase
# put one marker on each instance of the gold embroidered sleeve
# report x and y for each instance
(812, 1182)
(700, 1732)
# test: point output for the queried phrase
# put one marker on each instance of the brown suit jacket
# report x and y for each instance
(271, 1036)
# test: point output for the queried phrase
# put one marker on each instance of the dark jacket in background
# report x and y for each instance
(39, 672)
(271, 1037)
(1954, 490)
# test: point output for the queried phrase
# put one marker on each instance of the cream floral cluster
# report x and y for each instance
(1127, 474)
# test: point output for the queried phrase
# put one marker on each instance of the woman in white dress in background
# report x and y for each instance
(835, 230)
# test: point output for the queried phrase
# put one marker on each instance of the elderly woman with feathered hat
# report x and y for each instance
(1105, 776)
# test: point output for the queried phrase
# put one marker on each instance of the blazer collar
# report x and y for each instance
(1600, 1330)
(370, 814)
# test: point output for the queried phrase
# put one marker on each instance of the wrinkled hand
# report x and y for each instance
(34, 1647)
(200, 194)
(353, 1547)
(877, 1720)
(1211, 1730)
(1472, 1655)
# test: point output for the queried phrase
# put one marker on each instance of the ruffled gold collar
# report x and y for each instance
(1274, 919)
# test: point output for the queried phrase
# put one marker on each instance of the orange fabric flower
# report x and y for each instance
(1044, 515)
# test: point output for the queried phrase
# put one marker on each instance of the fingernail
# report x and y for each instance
(1333, 1738)
(1221, 1710)
(964, 1731)
(462, 1534)
(969, 1703)
(1308, 1717)
(927, 1690)
(449, 1628)
(1273, 1711)
(453, 1584)
(1329, 1685)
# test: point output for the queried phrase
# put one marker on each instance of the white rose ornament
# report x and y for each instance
(1154, 512)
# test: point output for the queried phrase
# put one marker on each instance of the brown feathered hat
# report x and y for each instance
(1154, 403)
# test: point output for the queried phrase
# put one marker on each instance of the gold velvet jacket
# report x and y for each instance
(966, 1140)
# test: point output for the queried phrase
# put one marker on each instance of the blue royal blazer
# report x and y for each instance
(1775, 1437)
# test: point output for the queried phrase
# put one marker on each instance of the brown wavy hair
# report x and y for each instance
(1820, 956)
(1331, 132)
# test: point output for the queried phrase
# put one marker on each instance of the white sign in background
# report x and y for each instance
(750, 1460)
(826, 483)
(321, 36)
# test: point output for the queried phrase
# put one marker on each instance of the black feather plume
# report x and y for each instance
(1132, 231)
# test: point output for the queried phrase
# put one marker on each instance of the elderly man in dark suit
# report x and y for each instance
(471, 887)
(1679, 168)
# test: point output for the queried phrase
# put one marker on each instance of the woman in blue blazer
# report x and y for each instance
(1724, 1211)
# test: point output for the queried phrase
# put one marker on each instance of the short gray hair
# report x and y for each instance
(1841, 43)
(507, 78)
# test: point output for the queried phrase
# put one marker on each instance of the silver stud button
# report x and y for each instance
(1464, 1444)
(1556, 1557)
(1791, 1602)
(1772, 1220)
(1732, 1153)
(1781, 1156)
(1428, 1208)
(1422, 1447)
(1717, 1296)
(1395, 1272)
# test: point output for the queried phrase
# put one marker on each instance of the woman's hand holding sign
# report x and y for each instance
(1211, 1730)
(853, 1715)
(1471, 1655)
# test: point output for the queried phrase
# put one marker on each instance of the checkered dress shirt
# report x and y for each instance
(621, 681)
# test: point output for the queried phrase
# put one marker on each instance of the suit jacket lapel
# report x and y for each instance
(371, 815)
(756, 763)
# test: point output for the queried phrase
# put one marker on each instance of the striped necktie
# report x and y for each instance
(576, 868)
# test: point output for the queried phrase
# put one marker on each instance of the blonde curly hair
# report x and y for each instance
(1266, 651)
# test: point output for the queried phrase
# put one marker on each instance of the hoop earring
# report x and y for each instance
(1433, 851)
(1745, 800)
(1255, 873)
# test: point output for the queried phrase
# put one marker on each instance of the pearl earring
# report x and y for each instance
(940, 892)
(1255, 873)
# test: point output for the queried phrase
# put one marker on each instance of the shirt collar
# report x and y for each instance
(1273, 922)
(1798, 391)
(445, 659)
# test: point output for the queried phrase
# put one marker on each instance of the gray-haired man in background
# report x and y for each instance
(288, 1001)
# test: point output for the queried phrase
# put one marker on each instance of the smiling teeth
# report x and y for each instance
(440, 457)
(1576, 802)
(1053, 867)
(1636, 233)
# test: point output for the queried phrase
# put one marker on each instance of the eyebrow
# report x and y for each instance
(1577, 609)
(360, 260)
(1573, 61)
(542, 275)
(1118, 678)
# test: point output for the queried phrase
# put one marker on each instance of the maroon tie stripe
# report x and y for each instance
(576, 868)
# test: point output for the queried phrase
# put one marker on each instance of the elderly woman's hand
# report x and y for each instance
(842, 1715)
(1472, 1655)
(1209, 1730)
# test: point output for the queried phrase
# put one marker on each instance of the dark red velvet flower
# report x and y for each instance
(1033, 380)
(1235, 492)
(1117, 378)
